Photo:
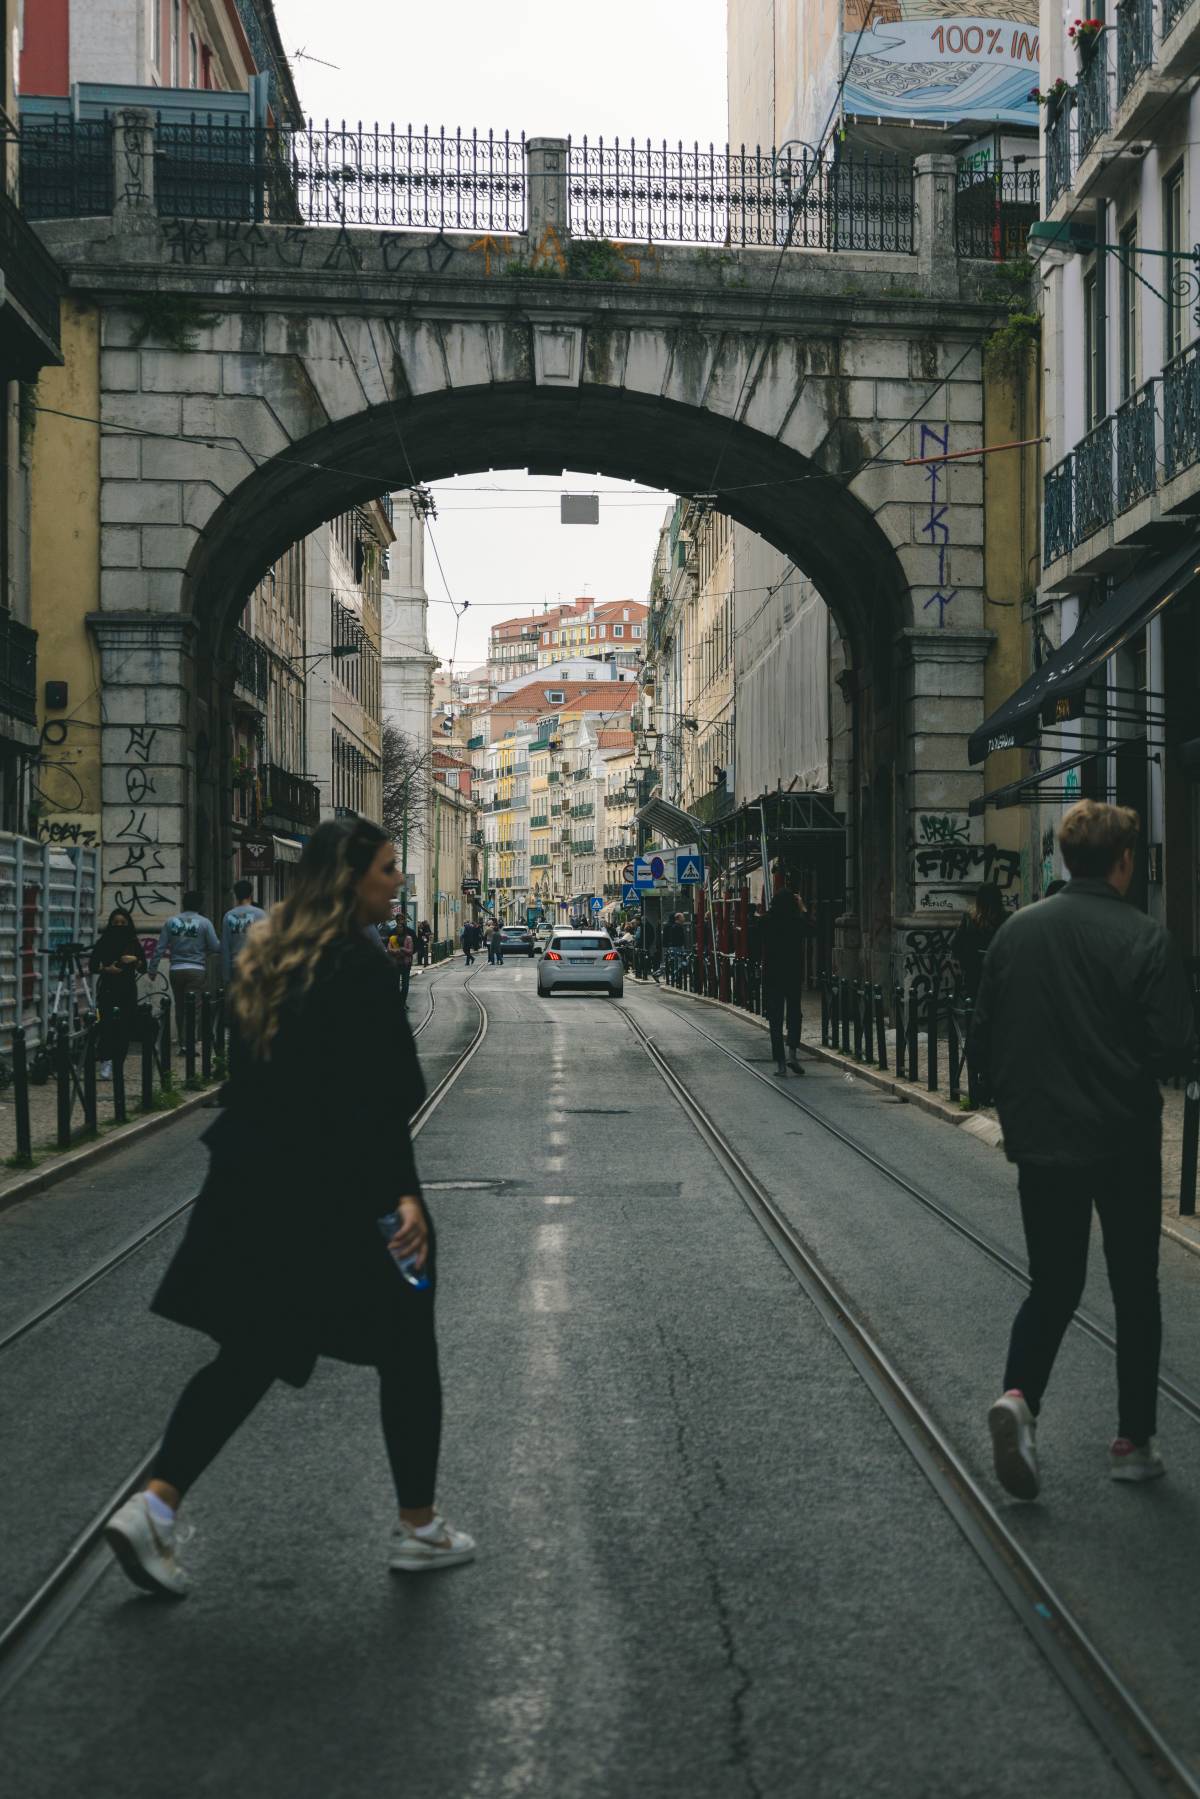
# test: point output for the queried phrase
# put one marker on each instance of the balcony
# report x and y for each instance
(586, 810)
(289, 797)
(1058, 532)
(18, 669)
(995, 204)
(539, 861)
(1135, 447)
(1058, 153)
(1091, 96)
(1135, 43)
(538, 820)
(30, 334)
(1181, 413)
(1094, 480)
(251, 665)
(552, 776)
(583, 846)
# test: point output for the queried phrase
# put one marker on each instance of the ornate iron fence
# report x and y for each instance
(1135, 42)
(1094, 480)
(1136, 458)
(18, 668)
(1058, 152)
(1058, 532)
(1181, 412)
(672, 194)
(995, 204)
(1172, 12)
(1091, 95)
(66, 167)
(250, 663)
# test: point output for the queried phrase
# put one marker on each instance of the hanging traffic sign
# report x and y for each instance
(689, 871)
(627, 873)
(631, 896)
(597, 903)
(643, 875)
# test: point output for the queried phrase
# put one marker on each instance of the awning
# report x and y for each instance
(670, 822)
(287, 849)
(1054, 692)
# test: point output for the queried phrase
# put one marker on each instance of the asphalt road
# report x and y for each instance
(708, 1566)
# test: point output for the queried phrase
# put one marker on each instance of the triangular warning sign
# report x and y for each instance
(689, 872)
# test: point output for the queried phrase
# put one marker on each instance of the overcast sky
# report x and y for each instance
(646, 68)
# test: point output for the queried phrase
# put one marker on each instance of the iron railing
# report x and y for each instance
(251, 664)
(18, 669)
(66, 167)
(1091, 95)
(1136, 458)
(673, 193)
(995, 204)
(31, 276)
(1094, 480)
(1058, 532)
(289, 796)
(1181, 412)
(1135, 42)
(1058, 152)
(1172, 12)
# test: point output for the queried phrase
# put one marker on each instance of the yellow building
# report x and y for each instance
(540, 790)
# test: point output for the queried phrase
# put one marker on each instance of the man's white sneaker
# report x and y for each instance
(1129, 1461)
(445, 1547)
(1014, 1450)
(145, 1548)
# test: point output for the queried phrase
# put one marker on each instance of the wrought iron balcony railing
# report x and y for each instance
(1091, 95)
(289, 796)
(31, 276)
(995, 204)
(251, 664)
(18, 669)
(1135, 42)
(1058, 531)
(1172, 12)
(1181, 412)
(67, 169)
(1058, 152)
(1136, 458)
(1094, 488)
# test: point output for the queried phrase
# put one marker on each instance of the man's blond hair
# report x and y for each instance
(1093, 836)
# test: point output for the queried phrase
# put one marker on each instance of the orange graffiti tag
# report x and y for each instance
(549, 249)
(635, 256)
(491, 246)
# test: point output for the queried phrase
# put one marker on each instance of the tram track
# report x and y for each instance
(63, 1590)
(1185, 1402)
(1139, 1749)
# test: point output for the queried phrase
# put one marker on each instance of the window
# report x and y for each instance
(193, 61)
(556, 698)
(1129, 310)
(637, 630)
(175, 30)
(156, 33)
(1093, 352)
(1173, 245)
(618, 630)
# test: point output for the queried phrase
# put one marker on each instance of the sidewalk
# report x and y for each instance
(983, 1121)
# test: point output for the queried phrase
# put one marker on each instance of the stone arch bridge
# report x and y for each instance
(291, 370)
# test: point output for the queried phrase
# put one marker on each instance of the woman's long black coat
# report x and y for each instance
(282, 1253)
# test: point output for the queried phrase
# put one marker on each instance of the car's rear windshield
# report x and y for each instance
(573, 943)
(513, 930)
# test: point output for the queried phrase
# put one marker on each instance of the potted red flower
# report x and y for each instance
(1085, 35)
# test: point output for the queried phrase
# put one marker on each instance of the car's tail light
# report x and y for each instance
(552, 955)
(612, 955)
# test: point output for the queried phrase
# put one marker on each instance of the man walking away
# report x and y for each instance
(187, 940)
(784, 930)
(470, 938)
(674, 942)
(1082, 1006)
(235, 924)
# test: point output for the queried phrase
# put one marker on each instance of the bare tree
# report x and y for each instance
(406, 776)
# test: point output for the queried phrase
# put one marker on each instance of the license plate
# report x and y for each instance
(580, 961)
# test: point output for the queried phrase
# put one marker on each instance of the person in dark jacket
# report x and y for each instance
(782, 940)
(1082, 1007)
(118, 961)
(975, 936)
(310, 1236)
(472, 937)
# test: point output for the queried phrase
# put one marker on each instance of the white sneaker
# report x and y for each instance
(145, 1548)
(1128, 1461)
(106, 1071)
(1014, 1450)
(413, 1554)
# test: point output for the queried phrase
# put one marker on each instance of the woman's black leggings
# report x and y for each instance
(222, 1396)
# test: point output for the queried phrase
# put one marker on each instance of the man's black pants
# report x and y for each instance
(775, 1000)
(1056, 1208)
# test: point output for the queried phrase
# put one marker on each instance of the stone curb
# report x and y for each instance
(979, 1124)
(75, 1160)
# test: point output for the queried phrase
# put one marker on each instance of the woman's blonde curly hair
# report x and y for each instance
(283, 951)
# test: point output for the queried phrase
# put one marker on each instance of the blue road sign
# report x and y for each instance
(689, 871)
(658, 867)
(630, 896)
(597, 903)
(642, 873)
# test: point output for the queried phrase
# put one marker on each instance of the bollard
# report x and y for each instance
(206, 1025)
(972, 1080)
(189, 1038)
(835, 1013)
(932, 1071)
(898, 1015)
(955, 1054)
(121, 1050)
(90, 1117)
(1191, 1144)
(62, 1072)
(845, 1008)
(880, 1032)
(147, 1035)
(858, 1034)
(21, 1096)
(913, 1020)
(868, 1023)
(165, 1021)
(824, 1012)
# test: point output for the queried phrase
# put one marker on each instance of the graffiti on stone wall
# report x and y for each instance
(139, 872)
(935, 528)
(946, 867)
(70, 833)
(925, 959)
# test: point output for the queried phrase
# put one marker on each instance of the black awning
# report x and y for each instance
(1055, 691)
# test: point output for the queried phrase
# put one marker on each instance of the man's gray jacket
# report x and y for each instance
(1083, 1005)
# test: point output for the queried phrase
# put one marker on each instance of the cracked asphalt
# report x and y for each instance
(707, 1567)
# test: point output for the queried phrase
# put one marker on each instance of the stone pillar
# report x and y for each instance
(146, 674)
(546, 164)
(133, 170)
(936, 248)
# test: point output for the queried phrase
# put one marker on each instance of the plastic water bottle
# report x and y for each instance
(416, 1277)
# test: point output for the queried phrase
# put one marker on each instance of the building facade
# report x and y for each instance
(407, 668)
(345, 681)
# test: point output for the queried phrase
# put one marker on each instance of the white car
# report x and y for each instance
(586, 960)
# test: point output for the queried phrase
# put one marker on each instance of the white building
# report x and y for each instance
(407, 680)
(344, 698)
